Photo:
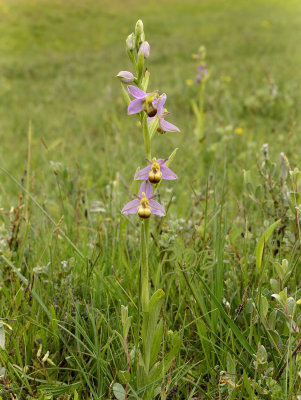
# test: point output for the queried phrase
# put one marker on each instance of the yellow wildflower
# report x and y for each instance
(226, 79)
(238, 131)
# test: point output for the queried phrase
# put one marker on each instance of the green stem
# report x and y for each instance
(140, 66)
(147, 141)
(144, 265)
(201, 110)
(133, 60)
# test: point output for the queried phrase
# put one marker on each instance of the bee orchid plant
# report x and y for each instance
(147, 370)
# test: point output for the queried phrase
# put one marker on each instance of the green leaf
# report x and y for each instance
(142, 377)
(155, 304)
(145, 81)
(126, 96)
(124, 376)
(279, 270)
(156, 343)
(2, 336)
(162, 368)
(247, 386)
(262, 241)
(258, 192)
(119, 391)
(262, 355)
(284, 265)
(127, 326)
(275, 285)
(149, 324)
(272, 319)
(231, 369)
(171, 157)
(283, 297)
(264, 308)
(153, 127)
(291, 304)
(275, 336)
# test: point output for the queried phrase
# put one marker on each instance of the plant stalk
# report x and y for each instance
(144, 265)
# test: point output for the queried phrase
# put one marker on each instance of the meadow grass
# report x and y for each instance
(69, 259)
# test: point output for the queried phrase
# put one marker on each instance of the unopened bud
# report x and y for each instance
(144, 49)
(130, 42)
(139, 32)
(139, 28)
(125, 76)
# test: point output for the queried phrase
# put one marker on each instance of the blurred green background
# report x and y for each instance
(58, 65)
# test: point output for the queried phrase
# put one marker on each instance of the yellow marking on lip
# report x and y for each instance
(144, 201)
(155, 165)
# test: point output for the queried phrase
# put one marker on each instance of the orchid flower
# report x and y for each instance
(143, 101)
(164, 126)
(155, 171)
(144, 205)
